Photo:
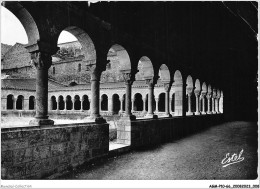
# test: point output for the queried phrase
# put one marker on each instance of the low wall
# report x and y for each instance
(37, 152)
(149, 132)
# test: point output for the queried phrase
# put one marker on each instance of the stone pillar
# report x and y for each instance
(128, 94)
(81, 107)
(133, 105)
(197, 103)
(171, 105)
(203, 103)
(167, 88)
(156, 104)
(189, 93)
(121, 105)
(213, 105)
(72, 104)
(221, 103)
(42, 61)
(95, 104)
(110, 105)
(178, 85)
(144, 99)
(26, 104)
(49, 106)
(209, 97)
(150, 113)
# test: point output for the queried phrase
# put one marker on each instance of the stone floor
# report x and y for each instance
(198, 156)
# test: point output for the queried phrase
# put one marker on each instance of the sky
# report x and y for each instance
(12, 31)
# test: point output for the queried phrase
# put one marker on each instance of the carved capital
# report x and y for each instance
(150, 82)
(41, 60)
(167, 87)
(189, 90)
(127, 78)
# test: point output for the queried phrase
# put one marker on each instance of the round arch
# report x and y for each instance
(116, 103)
(20, 102)
(138, 102)
(77, 102)
(104, 102)
(68, 103)
(53, 103)
(161, 102)
(10, 102)
(145, 69)
(61, 102)
(85, 103)
(31, 103)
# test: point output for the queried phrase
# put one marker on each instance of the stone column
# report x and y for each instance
(189, 93)
(150, 113)
(50, 106)
(197, 103)
(178, 85)
(133, 105)
(81, 107)
(121, 105)
(209, 97)
(156, 104)
(167, 87)
(110, 105)
(128, 94)
(221, 103)
(144, 99)
(95, 104)
(42, 61)
(72, 104)
(213, 105)
(203, 103)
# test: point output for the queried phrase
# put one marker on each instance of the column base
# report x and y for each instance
(39, 122)
(203, 113)
(197, 113)
(97, 119)
(209, 112)
(189, 113)
(153, 116)
(214, 112)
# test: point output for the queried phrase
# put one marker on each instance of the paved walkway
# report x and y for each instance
(195, 157)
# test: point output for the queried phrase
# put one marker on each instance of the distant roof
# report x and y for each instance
(4, 49)
(30, 85)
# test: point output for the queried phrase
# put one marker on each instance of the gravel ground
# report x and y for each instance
(197, 156)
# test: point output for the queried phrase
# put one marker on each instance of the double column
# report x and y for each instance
(128, 82)
(42, 60)
(150, 82)
(203, 94)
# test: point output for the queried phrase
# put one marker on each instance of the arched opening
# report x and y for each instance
(79, 67)
(173, 103)
(31, 103)
(123, 108)
(178, 88)
(146, 102)
(74, 43)
(145, 69)
(20, 102)
(10, 102)
(116, 103)
(161, 102)
(53, 103)
(119, 61)
(104, 102)
(138, 102)
(77, 103)
(85, 104)
(164, 74)
(68, 103)
(61, 103)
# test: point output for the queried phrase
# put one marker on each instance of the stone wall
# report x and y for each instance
(38, 152)
(150, 132)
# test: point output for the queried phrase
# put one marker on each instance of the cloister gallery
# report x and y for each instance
(152, 86)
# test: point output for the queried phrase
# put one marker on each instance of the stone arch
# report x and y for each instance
(145, 69)
(31, 103)
(178, 88)
(138, 102)
(164, 74)
(85, 103)
(53, 103)
(20, 102)
(69, 104)
(10, 102)
(104, 102)
(116, 103)
(161, 102)
(26, 20)
(61, 103)
(88, 47)
(77, 102)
